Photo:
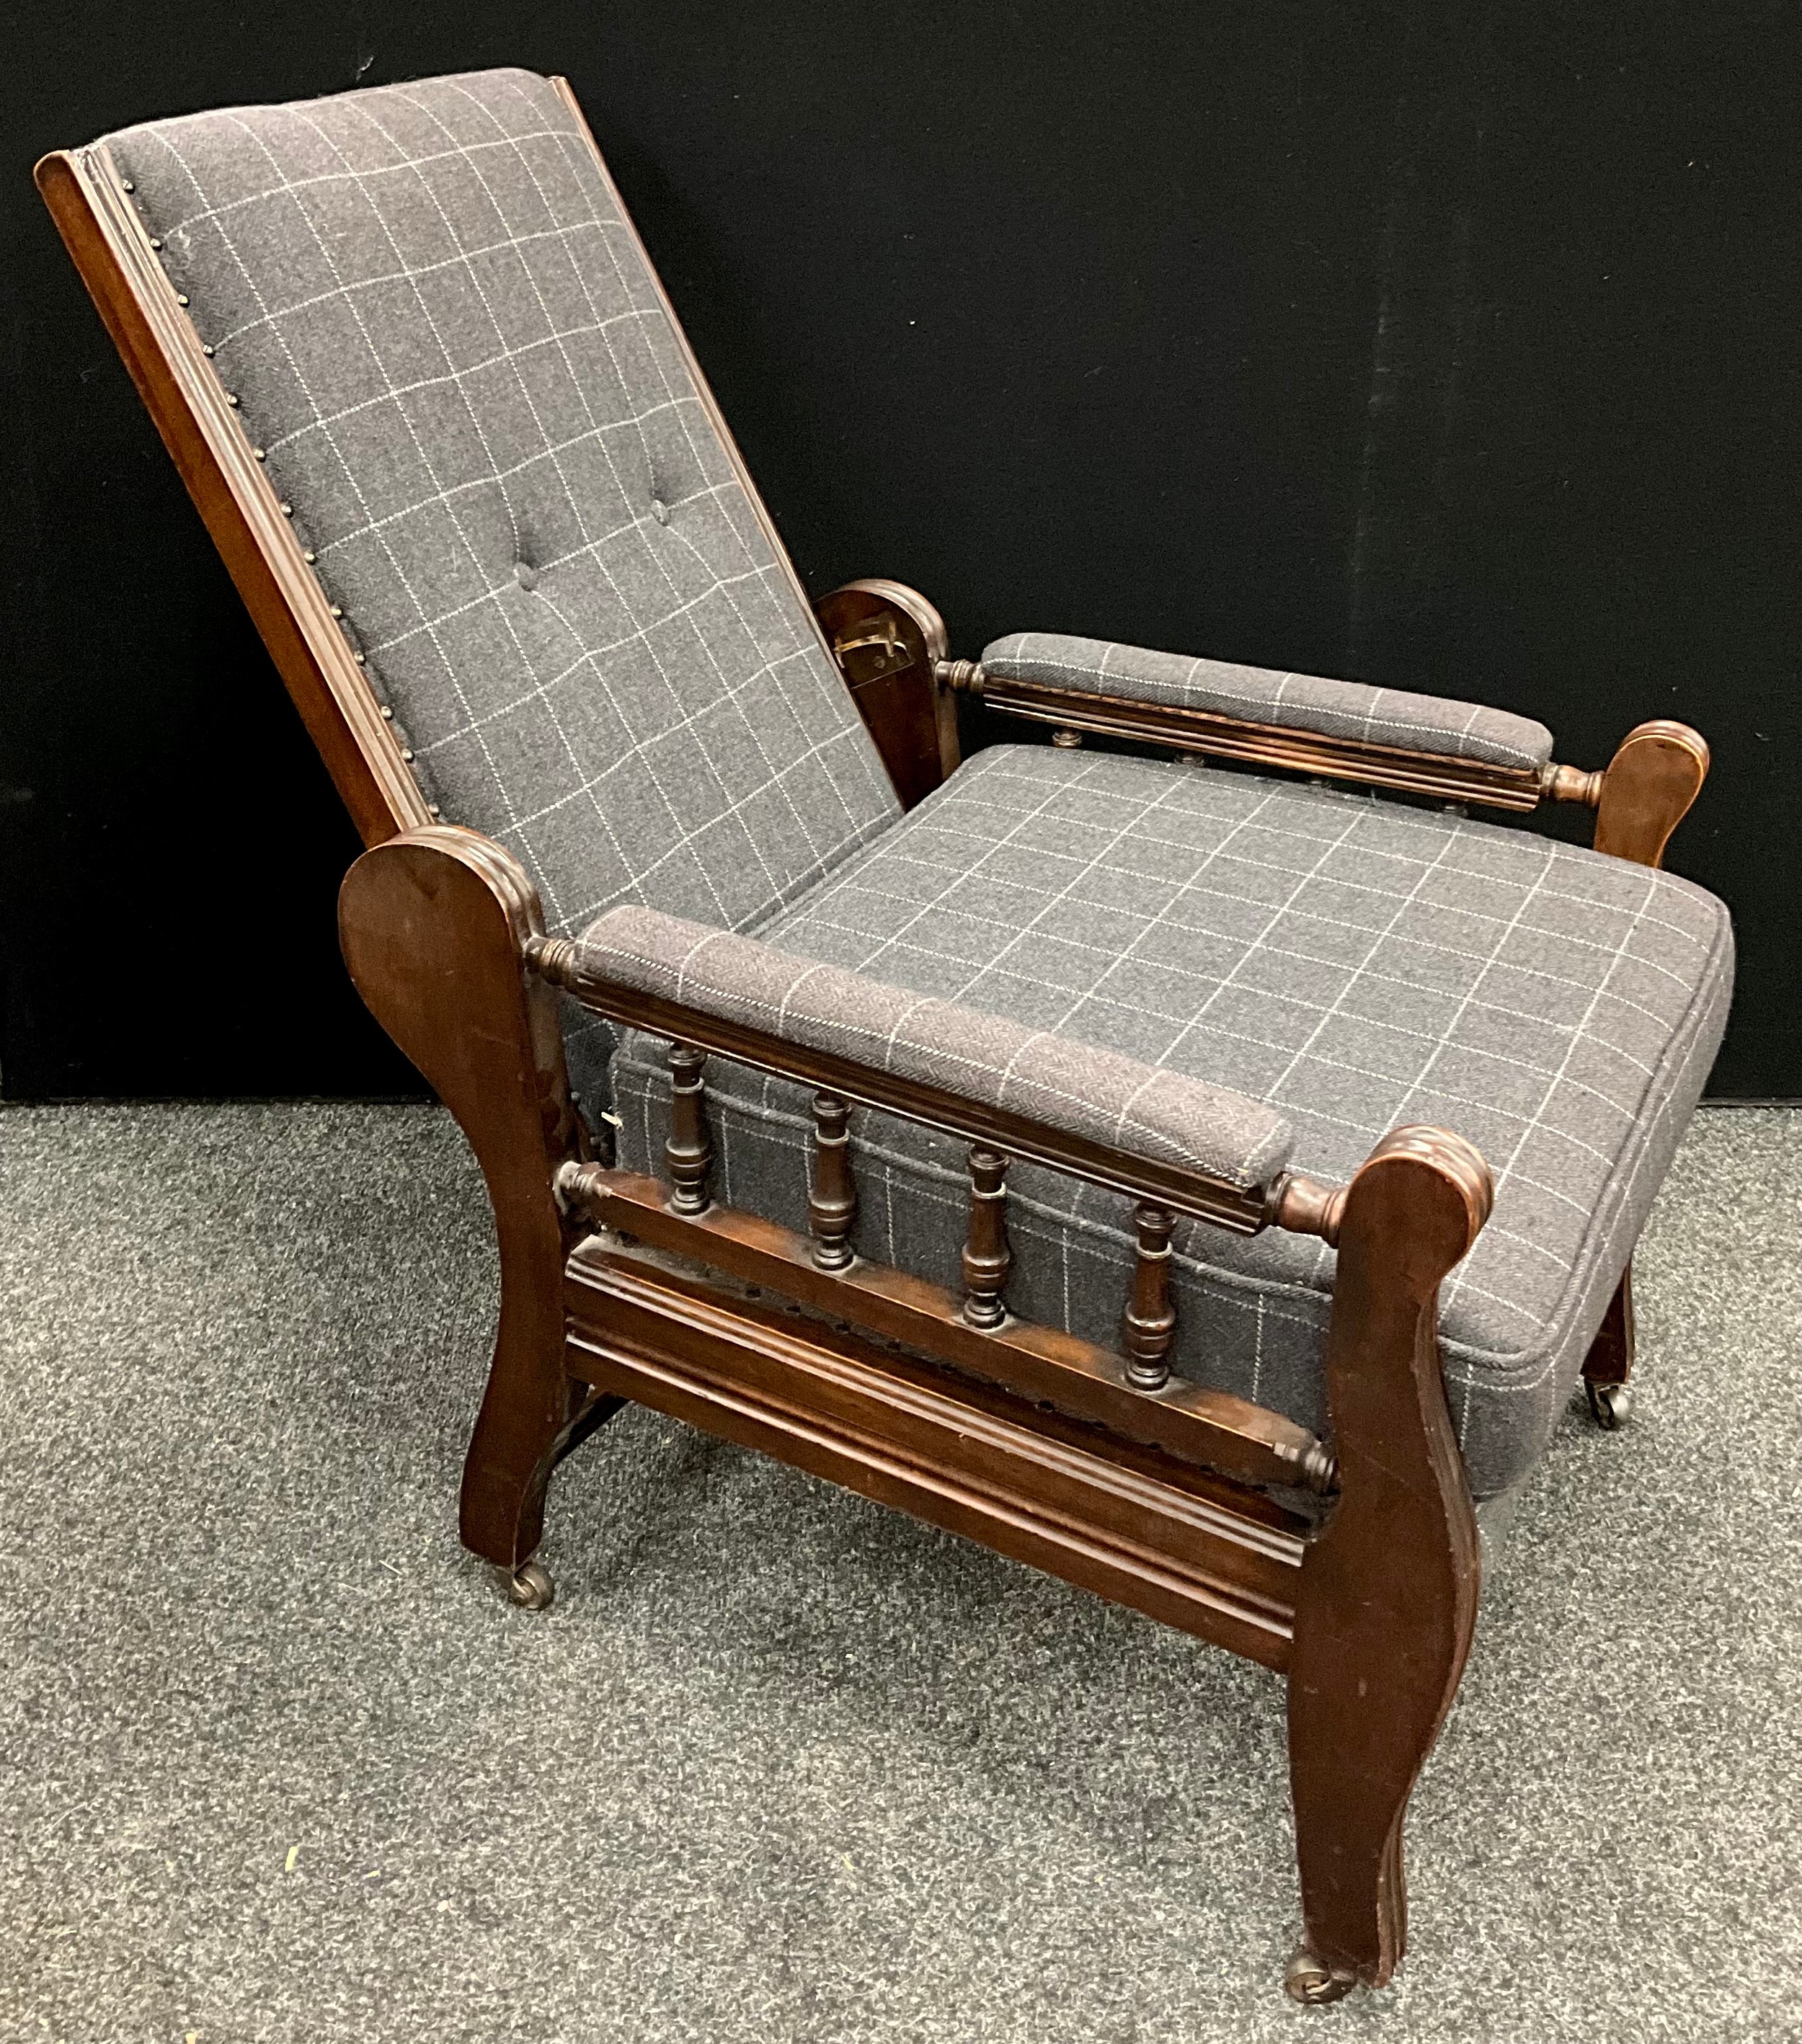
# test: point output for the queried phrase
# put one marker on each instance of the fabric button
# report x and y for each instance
(525, 574)
(659, 510)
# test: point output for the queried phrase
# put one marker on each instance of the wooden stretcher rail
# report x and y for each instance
(1211, 1429)
(1127, 1522)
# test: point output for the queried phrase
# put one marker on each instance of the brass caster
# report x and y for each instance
(1611, 1405)
(531, 1588)
(1310, 1980)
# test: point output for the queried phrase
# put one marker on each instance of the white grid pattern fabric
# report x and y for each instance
(1355, 963)
(1147, 1111)
(443, 338)
(1260, 695)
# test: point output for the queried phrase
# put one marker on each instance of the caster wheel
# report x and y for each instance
(1611, 1405)
(531, 1588)
(1310, 1980)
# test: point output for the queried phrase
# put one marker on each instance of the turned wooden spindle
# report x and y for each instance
(832, 1205)
(987, 1258)
(1151, 1314)
(688, 1155)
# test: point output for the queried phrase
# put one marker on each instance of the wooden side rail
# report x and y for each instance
(1293, 750)
(1102, 1467)
(1640, 797)
(1201, 1427)
(1239, 1209)
(1211, 1428)
(1189, 1549)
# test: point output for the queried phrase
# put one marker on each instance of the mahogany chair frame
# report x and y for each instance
(1354, 1574)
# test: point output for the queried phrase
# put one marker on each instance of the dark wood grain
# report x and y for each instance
(433, 926)
(832, 1200)
(1095, 1466)
(1194, 1423)
(1149, 1329)
(888, 640)
(1649, 788)
(688, 1152)
(1388, 1600)
(987, 1258)
(1610, 1359)
(1294, 751)
(1239, 1209)
(231, 491)
(1127, 1522)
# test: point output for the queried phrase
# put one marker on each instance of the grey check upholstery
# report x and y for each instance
(1259, 695)
(445, 338)
(1355, 963)
(1147, 1111)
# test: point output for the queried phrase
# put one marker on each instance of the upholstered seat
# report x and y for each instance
(1356, 963)
(439, 328)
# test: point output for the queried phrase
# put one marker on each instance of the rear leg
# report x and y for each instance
(1609, 1363)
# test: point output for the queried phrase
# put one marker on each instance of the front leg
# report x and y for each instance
(433, 926)
(1388, 1596)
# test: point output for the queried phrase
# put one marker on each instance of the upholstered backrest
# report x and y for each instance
(444, 337)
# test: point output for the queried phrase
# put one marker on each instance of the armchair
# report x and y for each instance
(1044, 1144)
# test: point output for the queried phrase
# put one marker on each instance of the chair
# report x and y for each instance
(1092, 1152)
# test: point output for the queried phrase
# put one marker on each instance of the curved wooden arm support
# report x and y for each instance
(434, 925)
(1387, 1597)
(888, 642)
(1650, 786)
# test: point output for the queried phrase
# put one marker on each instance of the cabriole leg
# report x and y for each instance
(1388, 1595)
(432, 925)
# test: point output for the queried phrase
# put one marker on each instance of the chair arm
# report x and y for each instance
(1152, 1134)
(1426, 745)
(1259, 695)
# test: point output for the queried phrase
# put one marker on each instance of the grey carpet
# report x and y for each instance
(277, 1763)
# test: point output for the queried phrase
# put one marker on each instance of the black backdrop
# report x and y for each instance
(1452, 347)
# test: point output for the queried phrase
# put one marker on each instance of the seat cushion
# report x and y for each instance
(1357, 963)
(443, 334)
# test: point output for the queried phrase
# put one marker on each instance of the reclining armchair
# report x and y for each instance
(1167, 1164)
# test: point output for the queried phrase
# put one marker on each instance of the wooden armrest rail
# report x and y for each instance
(1438, 774)
(1288, 1201)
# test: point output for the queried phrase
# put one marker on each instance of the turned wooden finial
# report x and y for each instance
(964, 677)
(1305, 1206)
(1570, 784)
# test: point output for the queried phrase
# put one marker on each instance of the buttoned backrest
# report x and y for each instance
(444, 337)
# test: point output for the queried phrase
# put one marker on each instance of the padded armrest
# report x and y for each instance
(1054, 1080)
(1259, 695)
